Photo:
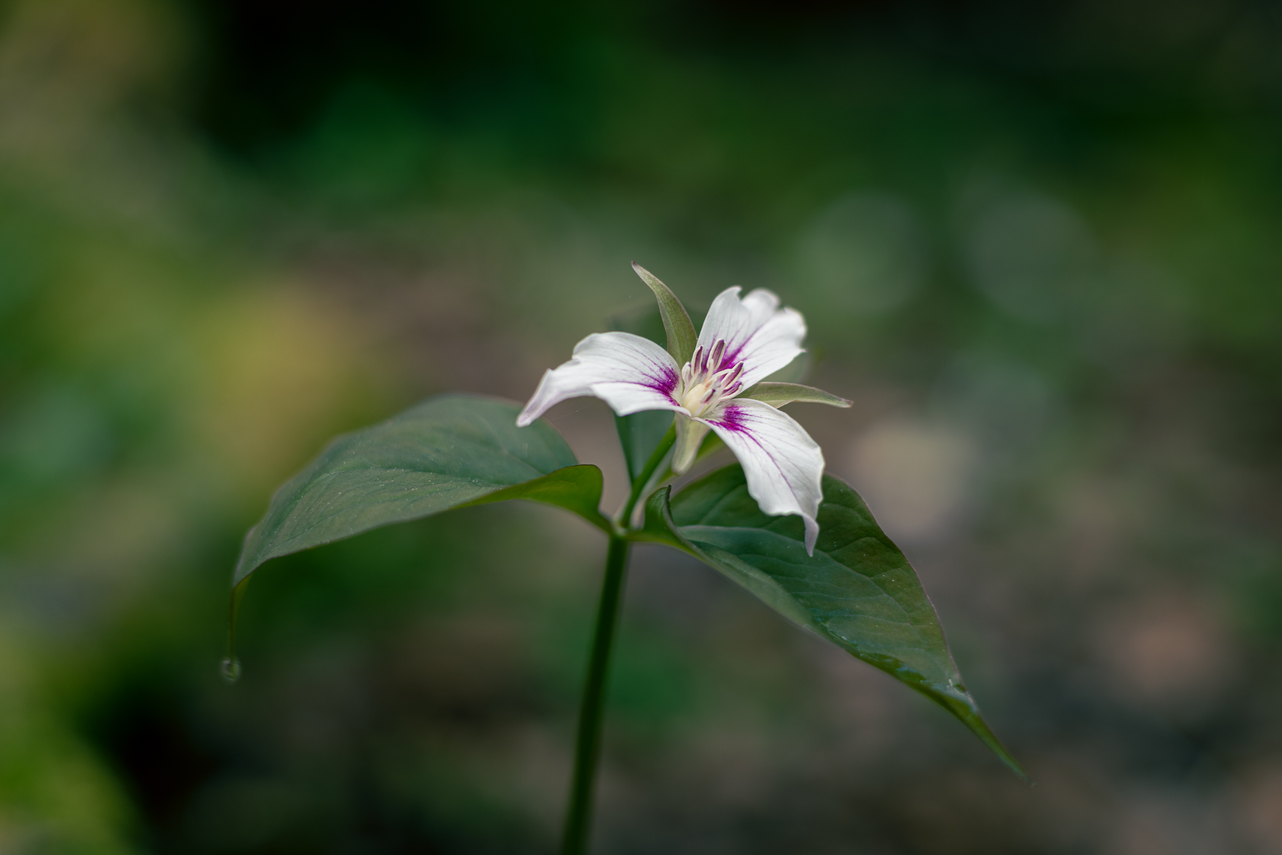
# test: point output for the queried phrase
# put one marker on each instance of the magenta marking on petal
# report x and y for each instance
(732, 418)
(666, 382)
(731, 358)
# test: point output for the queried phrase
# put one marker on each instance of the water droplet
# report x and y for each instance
(229, 668)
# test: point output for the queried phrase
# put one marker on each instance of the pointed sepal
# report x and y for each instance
(676, 321)
(781, 394)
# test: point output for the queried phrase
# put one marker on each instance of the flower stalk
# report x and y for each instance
(578, 820)
(587, 749)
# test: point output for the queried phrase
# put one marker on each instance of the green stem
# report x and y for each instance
(587, 748)
(639, 484)
(588, 745)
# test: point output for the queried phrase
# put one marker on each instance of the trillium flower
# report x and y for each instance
(712, 383)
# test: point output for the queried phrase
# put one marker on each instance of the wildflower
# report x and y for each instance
(712, 383)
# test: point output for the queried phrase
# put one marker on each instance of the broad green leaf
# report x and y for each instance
(781, 394)
(857, 590)
(449, 452)
(676, 321)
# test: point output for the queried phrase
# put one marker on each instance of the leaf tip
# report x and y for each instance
(969, 715)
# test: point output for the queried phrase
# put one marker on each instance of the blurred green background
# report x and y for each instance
(1039, 245)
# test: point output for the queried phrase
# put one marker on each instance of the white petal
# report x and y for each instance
(756, 331)
(628, 372)
(783, 465)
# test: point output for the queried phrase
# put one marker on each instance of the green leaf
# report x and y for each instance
(857, 590)
(449, 452)
(781, 394)
(676, 321)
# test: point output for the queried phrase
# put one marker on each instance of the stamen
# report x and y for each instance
(728, 375)
(704, 383)
(718, 350)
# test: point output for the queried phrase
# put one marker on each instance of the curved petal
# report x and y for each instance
(628, 372)
(783, 465)
(756, 331)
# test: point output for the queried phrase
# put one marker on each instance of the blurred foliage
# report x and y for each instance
(1036, 243)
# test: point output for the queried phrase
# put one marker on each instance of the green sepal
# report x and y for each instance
(857, 590)
(781, 394)
(676, 321)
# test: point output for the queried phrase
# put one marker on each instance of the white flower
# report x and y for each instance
(712, 383)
